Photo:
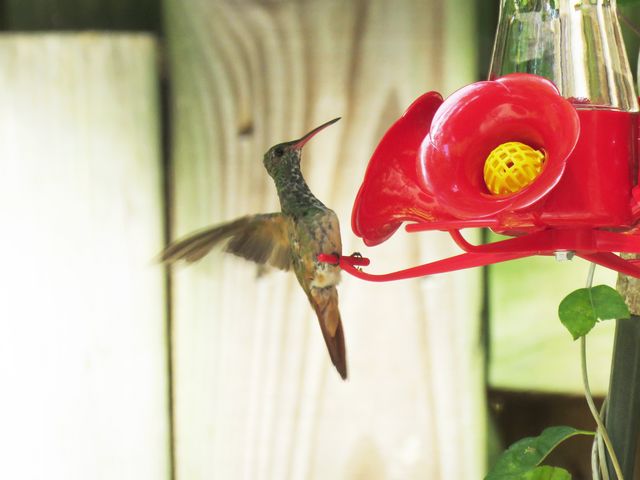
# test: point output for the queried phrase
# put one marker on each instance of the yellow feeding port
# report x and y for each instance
(512, 166)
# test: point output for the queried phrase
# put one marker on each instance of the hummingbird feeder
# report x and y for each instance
(544, 152)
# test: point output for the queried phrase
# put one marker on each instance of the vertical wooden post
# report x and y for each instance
(623, 407)
(255, 393)
(82, 322)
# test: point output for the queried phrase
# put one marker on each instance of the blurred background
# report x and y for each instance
(126, 124)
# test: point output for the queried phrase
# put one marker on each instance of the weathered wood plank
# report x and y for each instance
(255, 393)
(82, 324)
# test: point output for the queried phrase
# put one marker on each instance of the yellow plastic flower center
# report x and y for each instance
(512, 166)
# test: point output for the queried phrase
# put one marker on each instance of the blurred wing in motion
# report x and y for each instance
(261, 238)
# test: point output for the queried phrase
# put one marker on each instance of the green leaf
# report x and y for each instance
(580, 310)
(608, 303)
(577, 313)
(546, 473)
(539, 473)
(520, 460)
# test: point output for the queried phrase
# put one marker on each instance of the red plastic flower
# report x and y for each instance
(428, 167)
(391, 192)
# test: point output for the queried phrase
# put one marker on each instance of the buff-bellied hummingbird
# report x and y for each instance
(290, 239)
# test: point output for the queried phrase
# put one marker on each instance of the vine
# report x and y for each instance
(579, 312)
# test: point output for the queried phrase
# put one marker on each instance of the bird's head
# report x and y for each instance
(282, 157)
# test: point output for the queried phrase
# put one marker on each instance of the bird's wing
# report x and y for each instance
(325, 303)
(262, 239)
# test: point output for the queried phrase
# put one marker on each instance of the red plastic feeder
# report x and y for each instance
(513, 155)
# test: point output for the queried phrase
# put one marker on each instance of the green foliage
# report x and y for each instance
(580, 310)
(520, 461)
(577, 314)
(547, 473)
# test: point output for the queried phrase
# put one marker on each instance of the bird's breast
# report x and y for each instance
(316, 232)
(325, 275)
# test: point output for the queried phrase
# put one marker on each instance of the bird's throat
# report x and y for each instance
(294, 193)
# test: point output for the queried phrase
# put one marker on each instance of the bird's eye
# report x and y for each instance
(279, 151)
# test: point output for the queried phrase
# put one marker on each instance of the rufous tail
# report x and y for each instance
(325, 303)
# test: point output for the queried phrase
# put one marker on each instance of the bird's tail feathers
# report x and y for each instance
(325, 303)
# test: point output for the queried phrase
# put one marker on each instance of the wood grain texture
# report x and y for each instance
(82, 330)
(256, 396)
(629, 288)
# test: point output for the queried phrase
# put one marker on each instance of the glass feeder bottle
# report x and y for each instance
(577, 44)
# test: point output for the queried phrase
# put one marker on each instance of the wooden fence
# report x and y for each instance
(83, 343)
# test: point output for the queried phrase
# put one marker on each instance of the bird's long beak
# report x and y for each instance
(298, 144)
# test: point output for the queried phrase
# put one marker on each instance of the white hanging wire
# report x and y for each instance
(598, 451)
(601, 435)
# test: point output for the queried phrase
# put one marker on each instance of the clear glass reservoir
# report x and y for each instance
(577, 44)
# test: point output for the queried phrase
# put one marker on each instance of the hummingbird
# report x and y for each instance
(290, 239)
